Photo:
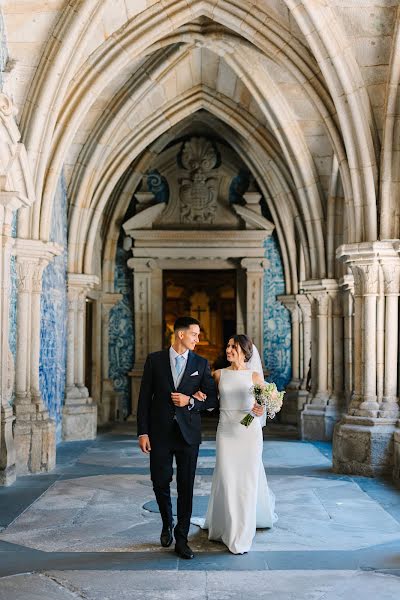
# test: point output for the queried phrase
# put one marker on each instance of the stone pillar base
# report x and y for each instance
(8, 471)
(396, 454)
(35, 442)
(317, 422)
(79, 419)
(363, 446)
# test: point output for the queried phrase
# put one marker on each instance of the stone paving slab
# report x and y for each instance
(94, 517)
(170, 585)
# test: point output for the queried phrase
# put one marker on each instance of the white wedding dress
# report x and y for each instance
(240, 499)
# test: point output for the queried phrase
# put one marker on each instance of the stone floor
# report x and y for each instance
(90, 530)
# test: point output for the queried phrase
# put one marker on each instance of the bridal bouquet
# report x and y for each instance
(267, 395)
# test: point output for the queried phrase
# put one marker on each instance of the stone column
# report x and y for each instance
(389, 406)
(7, 447)
(336, 398)
(35, 431)
(305, 309)
(107, 405)
(363, 440)
(147, 287)
(320, 413)
(255, 268)
(347, 295)
(16, 191)
(289, 409)
(79, 411)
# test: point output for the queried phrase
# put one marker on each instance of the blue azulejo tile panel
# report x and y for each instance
(53, 328)
(121, 331)
(277, 327)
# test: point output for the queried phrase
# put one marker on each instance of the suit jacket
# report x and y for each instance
(156, 411)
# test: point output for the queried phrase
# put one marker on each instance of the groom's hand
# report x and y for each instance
(144, 444)
(179, 399)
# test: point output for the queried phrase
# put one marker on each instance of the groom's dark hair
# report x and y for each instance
(185, 323)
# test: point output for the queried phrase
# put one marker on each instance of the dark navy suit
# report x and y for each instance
(174, 431)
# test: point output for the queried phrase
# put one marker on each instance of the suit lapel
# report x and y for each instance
(167, 366)
(190, 367)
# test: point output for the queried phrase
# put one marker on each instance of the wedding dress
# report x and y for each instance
(240, 499)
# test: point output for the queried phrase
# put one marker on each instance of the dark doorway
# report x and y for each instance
(210, 297)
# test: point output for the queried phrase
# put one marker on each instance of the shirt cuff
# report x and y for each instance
(191, 403)
(142, 434)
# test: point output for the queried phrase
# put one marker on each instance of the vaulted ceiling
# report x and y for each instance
(305, 91)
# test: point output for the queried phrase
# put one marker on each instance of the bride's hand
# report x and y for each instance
(200, 396)
(258, 410)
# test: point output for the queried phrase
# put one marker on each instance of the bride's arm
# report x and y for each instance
(217, 376)
(257, 409)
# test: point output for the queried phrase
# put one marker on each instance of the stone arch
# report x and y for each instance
(223, 14)
(89, 168)
(390, 158)
(275, 184)
(219, 108)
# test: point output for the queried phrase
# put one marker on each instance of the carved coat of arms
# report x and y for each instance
(198, 192)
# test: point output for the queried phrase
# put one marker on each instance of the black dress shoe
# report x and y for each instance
(166, 537)
(183, 551)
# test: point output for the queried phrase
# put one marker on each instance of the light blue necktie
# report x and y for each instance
(179, 364)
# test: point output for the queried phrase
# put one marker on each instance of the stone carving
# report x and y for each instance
(198, 192)
(6, 105)
(24, 276)
(10, 376)
(391, 274)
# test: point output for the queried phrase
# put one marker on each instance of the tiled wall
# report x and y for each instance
(121, 332)
(12, 333)
(277, 327)
(53, 330)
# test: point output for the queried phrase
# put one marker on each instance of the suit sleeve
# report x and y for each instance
(208, 387)
(145, 397)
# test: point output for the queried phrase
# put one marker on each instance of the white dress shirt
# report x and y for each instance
(172, 356)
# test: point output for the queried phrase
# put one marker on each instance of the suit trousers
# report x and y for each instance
(161, 469)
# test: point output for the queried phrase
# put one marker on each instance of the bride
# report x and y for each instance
(240, 499)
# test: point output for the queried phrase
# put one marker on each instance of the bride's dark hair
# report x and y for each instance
(245, 343)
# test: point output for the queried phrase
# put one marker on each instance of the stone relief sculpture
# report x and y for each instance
(198, 192)
(10, 376)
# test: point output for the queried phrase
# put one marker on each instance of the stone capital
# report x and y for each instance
(391, 277)
(366, 278)
(142, 265)
(290, 302)
(304, 305)
(33, 256)
(254, 265)
(366, 259)
(80, 283)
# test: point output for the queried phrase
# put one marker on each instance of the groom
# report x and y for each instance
(169, 425)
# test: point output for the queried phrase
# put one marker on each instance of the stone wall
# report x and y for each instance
(53, 332)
